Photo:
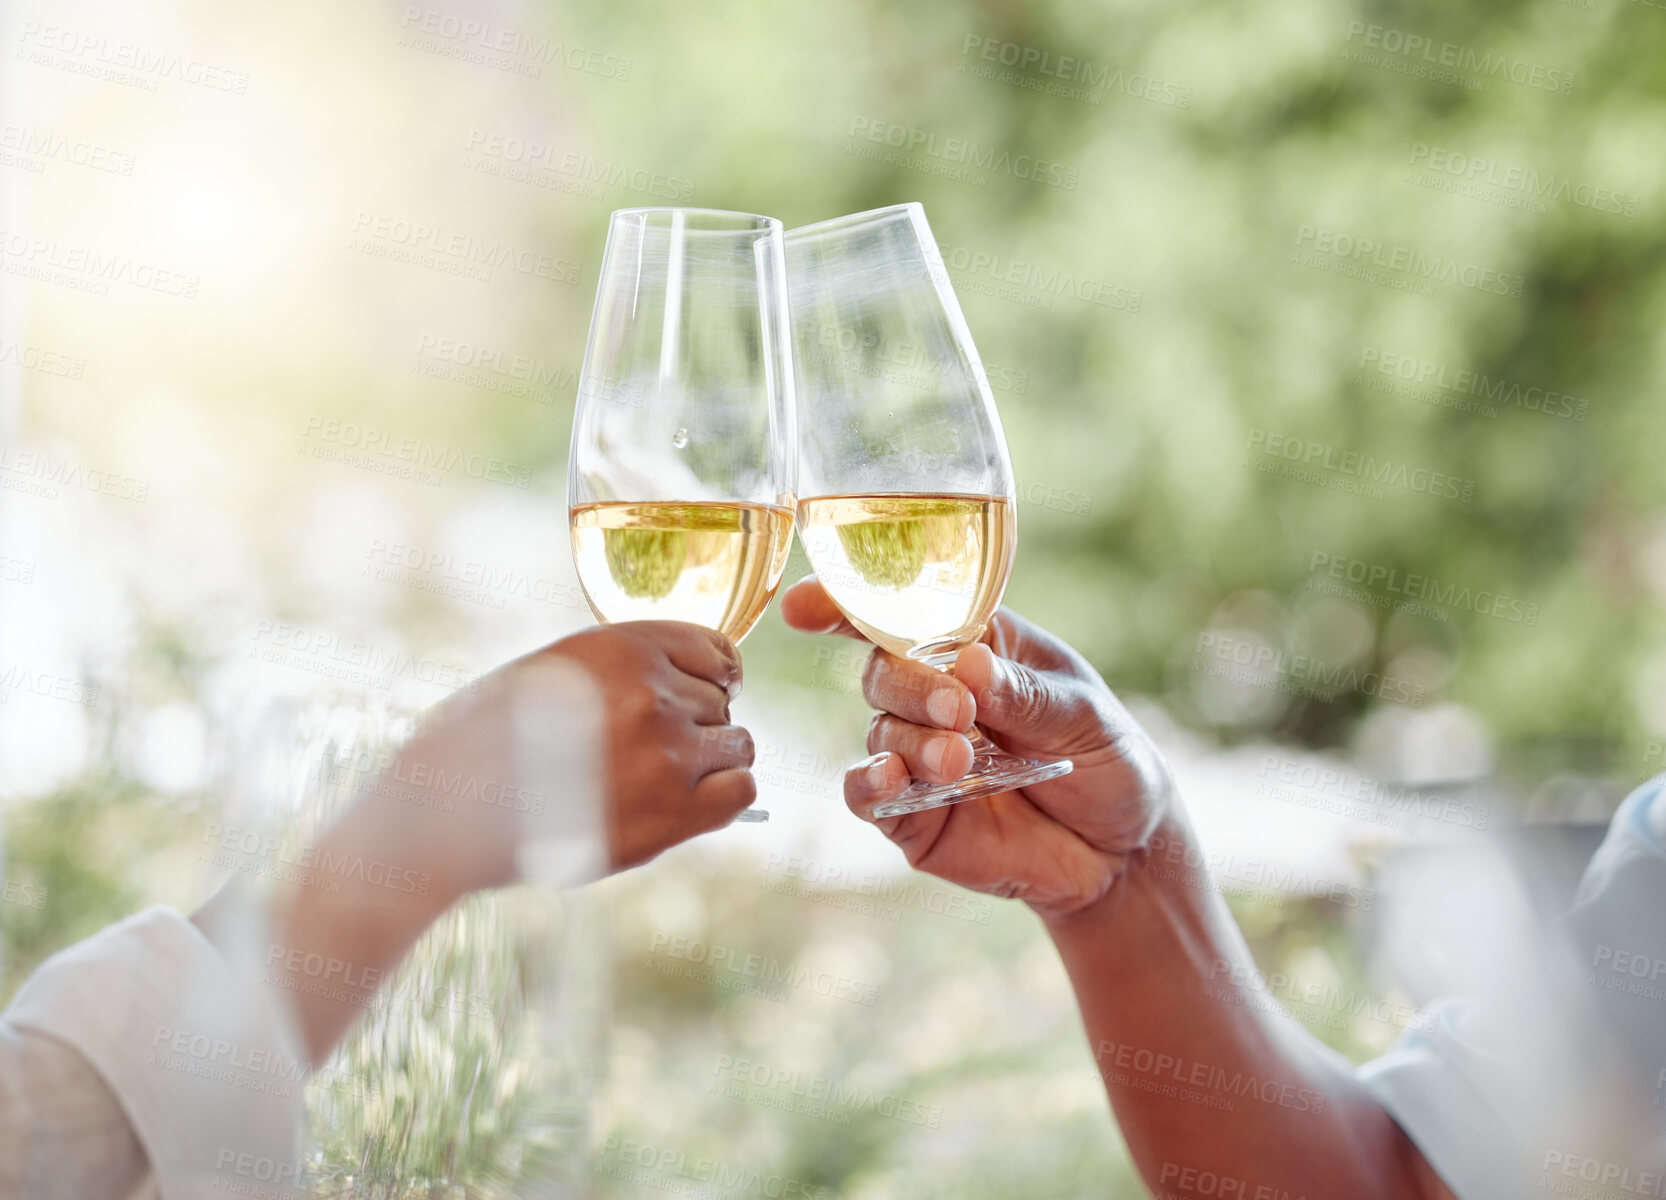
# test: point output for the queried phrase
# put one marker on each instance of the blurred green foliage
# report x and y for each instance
(1150, 324)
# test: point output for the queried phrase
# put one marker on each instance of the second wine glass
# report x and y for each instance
(681, 484)
(907, 514)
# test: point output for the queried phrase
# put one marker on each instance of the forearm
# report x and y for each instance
(1215, 1087)
(332, 951)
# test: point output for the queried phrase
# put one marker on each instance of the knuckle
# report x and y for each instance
(1024, 700)
(664, 706)
(641, 701)
(1032, 700)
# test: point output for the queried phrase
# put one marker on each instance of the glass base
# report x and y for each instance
(993, 770)
(750, 816)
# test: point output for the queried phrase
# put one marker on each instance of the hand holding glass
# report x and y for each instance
(908, 514)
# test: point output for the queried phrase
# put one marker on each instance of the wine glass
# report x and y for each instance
(907, 512)
(682, 480)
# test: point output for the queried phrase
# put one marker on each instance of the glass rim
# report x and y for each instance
(737, 222)
(913, 210)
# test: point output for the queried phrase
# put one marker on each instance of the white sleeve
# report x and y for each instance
(191, 1052)
(1553, 1080)
(63, 1136)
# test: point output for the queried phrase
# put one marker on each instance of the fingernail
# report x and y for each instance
(934, 753)
(878, 769)
(943, 706)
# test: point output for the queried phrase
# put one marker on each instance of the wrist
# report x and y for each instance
(1144, 881)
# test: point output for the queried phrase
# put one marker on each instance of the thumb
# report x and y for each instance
(1011, 697)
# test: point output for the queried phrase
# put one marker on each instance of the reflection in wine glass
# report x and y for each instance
(907, 514)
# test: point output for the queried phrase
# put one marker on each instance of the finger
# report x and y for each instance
(873, 781)
(883, 777)
(807, 607)
(723, 748)
(1011, 697)
(706, 702)
(917, 693)
(722, 794)
(696, 650)
(935, 755)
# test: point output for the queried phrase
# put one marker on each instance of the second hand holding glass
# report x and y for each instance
(909, 518)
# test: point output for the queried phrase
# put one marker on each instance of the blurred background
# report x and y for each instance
(1330, 341)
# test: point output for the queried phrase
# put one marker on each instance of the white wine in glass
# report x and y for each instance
(681, 486)
(919, 574)
(907, 513)
(713, 564)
